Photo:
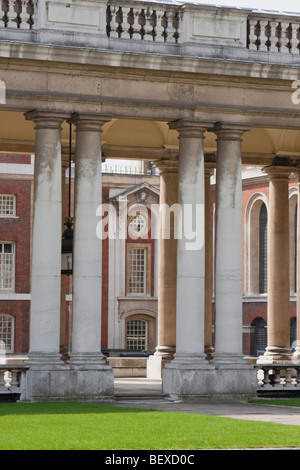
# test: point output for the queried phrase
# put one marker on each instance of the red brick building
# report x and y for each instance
(129, 290)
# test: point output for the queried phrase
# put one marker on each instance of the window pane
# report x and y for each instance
(137, 270)
(138, 224)
(6, 266)
(6, 333)
(7, 204)
(263, 249)
(136, 335)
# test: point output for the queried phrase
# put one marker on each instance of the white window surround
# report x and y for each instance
(6, 333)
(137, 270)
(136, 334)
(7, 266)
(251, 264)
(7, 205)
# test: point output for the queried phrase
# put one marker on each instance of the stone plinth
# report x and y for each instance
(128, 366)
(64, 383)
(191, 381)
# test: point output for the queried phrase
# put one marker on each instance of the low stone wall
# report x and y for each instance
(128, 366)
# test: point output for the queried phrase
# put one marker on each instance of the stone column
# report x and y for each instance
(87, 247)
(208, 347)
(63, 346)
(167, 266)
(278, 349)
(228, 245)
(296, 355)
(190, 249)
(46, 241)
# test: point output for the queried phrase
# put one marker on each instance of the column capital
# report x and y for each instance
(46, 119)
(190, 128)
(279, 171)
(226, 131)
(167, 166)
(89, 121)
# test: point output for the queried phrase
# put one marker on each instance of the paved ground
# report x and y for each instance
(144, 393)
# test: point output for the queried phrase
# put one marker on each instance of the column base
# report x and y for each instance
(191, 381)
(69, 382)
(220, 359)
(275, 355)
(88, 360)
(155, 364)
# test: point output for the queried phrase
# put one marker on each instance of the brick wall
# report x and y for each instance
(18, 230)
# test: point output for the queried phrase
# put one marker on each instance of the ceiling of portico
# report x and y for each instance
(140, 139)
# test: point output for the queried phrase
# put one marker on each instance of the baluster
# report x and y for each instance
(24, 16)
(2, 380)
(126, 22)
(15, 380)
(294, 41)
(170, 30)
(260, 377)
(252, 36)
(149, 26)
(33, 7)
(273, 37)
(4, 18)
(266, 378)
(11, 15)
(7, 379)
(262, 38)
(136, 28)
(179, 27)
(159, 28)
(277, 378)
(142, 23)
(114, 24)
(288, 376)
(284, 38)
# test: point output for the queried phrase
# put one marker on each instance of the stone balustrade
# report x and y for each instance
(18, 14)
(269, 34)
(143, 22)
(11, 381)
(278, 378)
(187, 30)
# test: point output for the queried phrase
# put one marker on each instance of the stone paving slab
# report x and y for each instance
(143, 393)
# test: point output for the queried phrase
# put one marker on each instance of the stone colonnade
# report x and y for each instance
(185, 266)
(85, 375)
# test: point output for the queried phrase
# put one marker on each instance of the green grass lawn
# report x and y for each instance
(83, 426)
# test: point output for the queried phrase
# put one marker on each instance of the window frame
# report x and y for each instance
(12, 337)
(147, 272)
(12, 288)
(13, 196)
(144, 345)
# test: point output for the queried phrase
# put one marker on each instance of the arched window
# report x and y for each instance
(260, 338)
(263, 249)
(293, 238)
(256, 245)
(295, 248)
(6, 333)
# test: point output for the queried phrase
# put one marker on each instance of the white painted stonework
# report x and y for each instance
(140, 68)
